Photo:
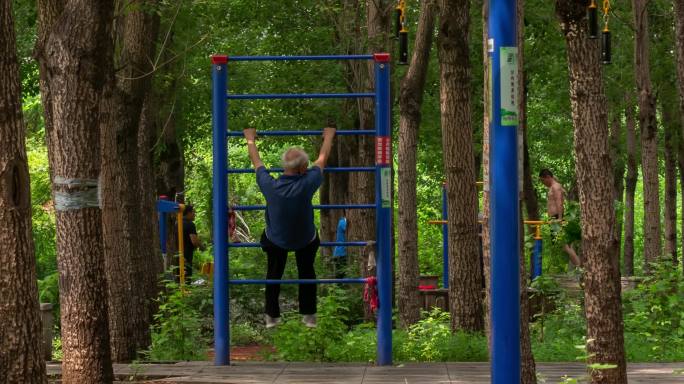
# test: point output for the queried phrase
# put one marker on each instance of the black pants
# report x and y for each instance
(277, 257)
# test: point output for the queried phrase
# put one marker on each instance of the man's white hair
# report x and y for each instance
(295, 158)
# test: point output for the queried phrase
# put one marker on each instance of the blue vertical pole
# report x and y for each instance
(162, 235)
(220, 208)
(537, 259)
(383, 201)
(445, 239)
(505, 219)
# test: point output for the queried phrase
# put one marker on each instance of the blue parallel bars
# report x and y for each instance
(383, 183)
(505, 217)
(219, 113)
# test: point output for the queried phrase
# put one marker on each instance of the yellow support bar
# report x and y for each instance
(181, 245)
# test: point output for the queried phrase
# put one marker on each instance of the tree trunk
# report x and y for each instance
(591, 148)
(630, 187)
(618, 174)
(149, 244)
(75, 57)
(649, 136)
(486, 235)
(465, 271)
(670, 126)
(21, 359)
(410, 101)
(528, 374)
(362, 221)
(679, 37)
(122, 219)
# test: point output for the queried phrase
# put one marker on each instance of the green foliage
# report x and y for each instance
(245, 334)
(177, 332)
(296, 342)
(428, 340)
(57, 348)
(654, 316)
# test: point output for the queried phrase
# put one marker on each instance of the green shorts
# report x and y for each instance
(567, 232)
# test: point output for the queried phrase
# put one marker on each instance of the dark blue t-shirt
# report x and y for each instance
(289, 212)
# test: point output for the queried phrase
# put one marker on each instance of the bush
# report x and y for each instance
(295, 342)
(654, 316)
(177, 332)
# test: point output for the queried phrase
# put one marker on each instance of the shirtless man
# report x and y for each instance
(554, 208)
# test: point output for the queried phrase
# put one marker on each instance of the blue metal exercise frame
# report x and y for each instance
(504, 193)
(382, 205)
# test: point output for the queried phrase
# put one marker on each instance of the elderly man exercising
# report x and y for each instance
(290, 221)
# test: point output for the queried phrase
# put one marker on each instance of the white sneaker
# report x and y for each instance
(309, 320)
(271, 321)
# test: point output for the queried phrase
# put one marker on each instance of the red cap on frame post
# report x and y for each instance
(381, 57)
(219, 59)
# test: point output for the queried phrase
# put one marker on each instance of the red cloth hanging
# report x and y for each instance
(370, 293)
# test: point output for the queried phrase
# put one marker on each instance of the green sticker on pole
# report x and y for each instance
(508, 64)
(385, 187)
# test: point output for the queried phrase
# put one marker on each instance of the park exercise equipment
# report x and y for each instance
(164, 207)
(401, 32)
(593, 25)
(504, 190)
(382, 204)
(605, 35)
(535, 260)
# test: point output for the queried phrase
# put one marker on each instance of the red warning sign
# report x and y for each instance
(383, 150)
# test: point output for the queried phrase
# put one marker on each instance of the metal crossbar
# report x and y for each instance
(298, 281)
(327, 169)
(304, 133)
(323, 244)
(274, 96)
(317, 206)
(300, 58)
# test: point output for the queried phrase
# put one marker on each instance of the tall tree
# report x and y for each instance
(410, 102)
(75, 57)
(679, 38)
(21, 359)
(618, 172)
(528, 374)
(122, 220)
(649, 135)
(486, 213)
(362, 221)
(465, 271)
(149, 244)
(630, 186)
(670, 127)
(592, 155)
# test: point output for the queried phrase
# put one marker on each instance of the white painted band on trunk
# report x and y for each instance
(80, 193)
